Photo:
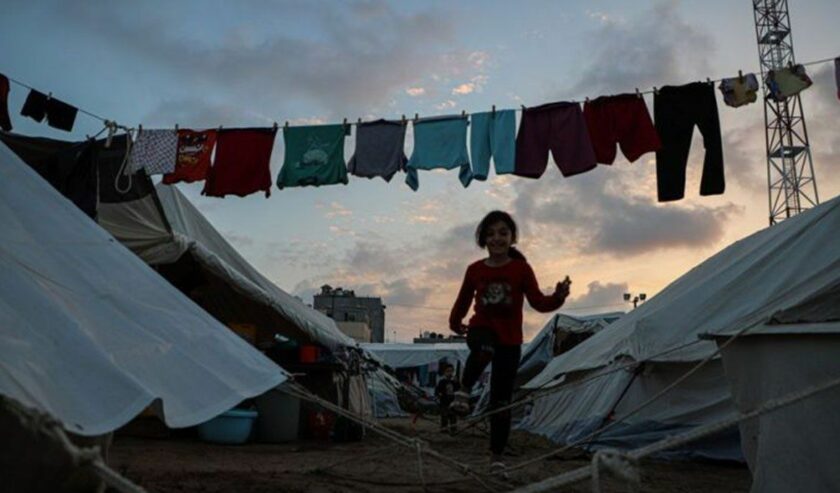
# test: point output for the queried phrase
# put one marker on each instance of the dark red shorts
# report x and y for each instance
(556, 127)
(622, 119)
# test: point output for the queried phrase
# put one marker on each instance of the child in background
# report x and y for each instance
(498, 284)
(445, 393)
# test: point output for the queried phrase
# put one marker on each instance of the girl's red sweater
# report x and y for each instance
(499, 293)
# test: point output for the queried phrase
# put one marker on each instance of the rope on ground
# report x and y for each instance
(771, 405)
(419, 447)
(296, 390)
(354, 458)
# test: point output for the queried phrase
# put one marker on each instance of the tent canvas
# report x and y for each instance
(739, 287)
(181, 241)
(92, 335)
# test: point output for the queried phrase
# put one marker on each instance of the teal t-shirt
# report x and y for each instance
(314, 156)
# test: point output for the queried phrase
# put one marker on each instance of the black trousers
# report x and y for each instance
(677, 109)
(505, 361)
(447, 417)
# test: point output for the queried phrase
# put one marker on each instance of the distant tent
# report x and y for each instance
(92, 335)
(767, 273)
(401, 355)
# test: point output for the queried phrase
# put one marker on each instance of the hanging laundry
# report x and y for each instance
(5, 122)
(155, 150)
(837, 75)
(677, 109)
(70, 167)
(61, 115)
(243, 162)
(35, 106)
(439, 142)
(195, 147)
(379, 149)
(624, 120)
(739, 91)
(493, 133)
(787, 82)
(314, 156)
(560, 128)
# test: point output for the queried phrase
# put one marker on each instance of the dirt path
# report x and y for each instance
(183, 464)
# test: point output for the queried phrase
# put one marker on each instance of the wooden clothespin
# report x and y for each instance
(416, 117)
(586, 99)
(359, 121)
(403, 119)
(463, 113)
(139, 129)
(740, 76)
(523, 107)
(655, 90)
(638, 94)
(708, 81)
(112, 129)
(494, 109)
(286, 125)
(274, 126)
(176, 128)
(345, 122)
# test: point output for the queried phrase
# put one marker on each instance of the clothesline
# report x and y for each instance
(416, 115)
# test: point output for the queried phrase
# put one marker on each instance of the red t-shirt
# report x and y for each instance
(499, 293)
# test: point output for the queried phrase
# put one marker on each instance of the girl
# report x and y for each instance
(498, 284)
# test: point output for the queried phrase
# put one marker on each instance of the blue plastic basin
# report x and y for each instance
(230, 428)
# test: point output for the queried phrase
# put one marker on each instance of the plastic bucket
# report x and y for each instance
(230, 428)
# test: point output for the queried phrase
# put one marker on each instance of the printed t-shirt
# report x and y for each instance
(498, 294)
(243, 162)
(193, 158)
(314, 156)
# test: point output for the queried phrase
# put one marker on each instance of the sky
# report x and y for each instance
(253, 63)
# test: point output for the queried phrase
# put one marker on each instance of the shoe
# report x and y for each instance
(461, 404)
(498, 468)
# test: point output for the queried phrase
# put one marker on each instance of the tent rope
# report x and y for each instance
(769, 406)
(296, 390)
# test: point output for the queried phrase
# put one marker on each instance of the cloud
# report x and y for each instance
(403, 292)
(597, 295)
(465, 88)
(445, 105)
(337, 210)
(364, 52)
(656, 47)
(415, 91)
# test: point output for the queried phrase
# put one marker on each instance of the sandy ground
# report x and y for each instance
(179, 464)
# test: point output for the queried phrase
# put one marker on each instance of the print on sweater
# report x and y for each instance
(497, 293)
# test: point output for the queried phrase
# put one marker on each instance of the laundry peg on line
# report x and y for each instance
(740, 76)
(494, 109)
(403, 119)
(416, 117)
(638, 94)
(463, 113)
(655, 91)
(359, 121)
(708, 81)
(274, 126)
(176, 128)
(286, 125)
(523, 107)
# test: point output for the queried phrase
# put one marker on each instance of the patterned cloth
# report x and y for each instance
(154, 150)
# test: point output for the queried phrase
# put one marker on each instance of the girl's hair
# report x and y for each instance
(491, 219)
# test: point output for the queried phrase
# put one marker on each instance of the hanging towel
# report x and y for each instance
(314, 156)
(439, 142)
(5, 122)
(787, 82)
(837, 75)
(243, 162)
(379, 150)
(154, 151)
(61, 115)
(493, 133)
(624, 120)
(677, 109)
(739, 91)
(560, 128)
(195, 147)
(35, 106)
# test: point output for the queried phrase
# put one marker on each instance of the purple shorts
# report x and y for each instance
(560, 128)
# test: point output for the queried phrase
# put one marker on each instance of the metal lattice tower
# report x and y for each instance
(792, 186)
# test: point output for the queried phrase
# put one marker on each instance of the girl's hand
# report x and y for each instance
(460, 330)
(562, 289)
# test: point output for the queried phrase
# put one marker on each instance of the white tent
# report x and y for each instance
(92, 335)
(741, 286)
(401, 355)
(238, 292)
